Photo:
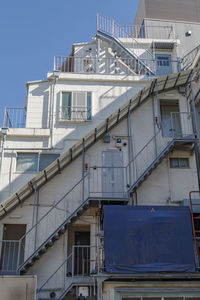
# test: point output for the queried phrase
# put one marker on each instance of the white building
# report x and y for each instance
(116, 123)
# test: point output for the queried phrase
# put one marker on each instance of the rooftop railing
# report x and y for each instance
(107, 24)
(14, 117)
(109, 65)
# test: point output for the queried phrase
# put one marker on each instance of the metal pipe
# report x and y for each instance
(154, 126)
(194, 111)
(83, 167)
(129, 145)
(4, 134)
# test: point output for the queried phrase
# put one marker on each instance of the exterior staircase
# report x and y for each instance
(58, 218)
(190, 59)
(143, 61)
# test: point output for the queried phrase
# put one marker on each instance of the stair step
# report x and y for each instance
(73, 219)
(42, 250)
(56, 237)
(62, 230)
(49, 243)
(36, 256)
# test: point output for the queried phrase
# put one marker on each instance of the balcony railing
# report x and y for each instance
(14, 117)
(106, 24)
(76, 113)
(111, 65)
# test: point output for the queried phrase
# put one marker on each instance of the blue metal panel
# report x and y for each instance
(148, 239)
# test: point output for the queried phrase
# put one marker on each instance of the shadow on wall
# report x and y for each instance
(73, 136)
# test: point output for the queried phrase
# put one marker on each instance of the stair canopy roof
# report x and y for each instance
(156, 85)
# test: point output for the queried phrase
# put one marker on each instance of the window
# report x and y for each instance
(179, 163)
(76, 106)
(34, 162)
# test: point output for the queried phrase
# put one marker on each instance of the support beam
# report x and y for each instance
(165, 83)
(177, 79)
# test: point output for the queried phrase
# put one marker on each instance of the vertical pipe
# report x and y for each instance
(99, 289)
(154, 127)
(158, 105)
(83, 167)
(98, 54)
(194, 111)
(36, 217)
(129, 145)
(2, 154)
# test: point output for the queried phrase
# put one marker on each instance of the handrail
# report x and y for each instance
(187, 60)
(116, 27)
(14, 117)
(139, 30)
(51, 276)
(161, 83)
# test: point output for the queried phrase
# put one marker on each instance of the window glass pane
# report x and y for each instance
(46, 160)
(66, 105)
(174, 163)
(27, 162)
(89, 106)
(79, 99)
(179, 162)
(184, 162)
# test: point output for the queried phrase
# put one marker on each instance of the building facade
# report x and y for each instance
(99, 174)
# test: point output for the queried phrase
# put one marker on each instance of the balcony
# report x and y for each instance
(14, 117)
(113, 65)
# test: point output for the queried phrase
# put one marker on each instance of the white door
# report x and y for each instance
(112, 174)
(171, 124)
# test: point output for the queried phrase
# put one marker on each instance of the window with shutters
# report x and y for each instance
(76, 106)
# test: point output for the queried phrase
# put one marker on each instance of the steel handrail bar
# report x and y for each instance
(154, 136)
(131, 26)
(53, 206)
(119, 41)
(94, 134)
(59, 267)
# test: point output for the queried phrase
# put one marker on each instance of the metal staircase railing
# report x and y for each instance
(188, 59)
(177, 128)
(75, 268)
(56, 220)
(130, 45)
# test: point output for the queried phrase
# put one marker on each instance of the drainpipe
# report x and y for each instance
(55, 77)
(4, 132)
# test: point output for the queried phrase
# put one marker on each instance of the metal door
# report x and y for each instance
(171, 124)
(163, 64)
(82, 253)
(112, 174)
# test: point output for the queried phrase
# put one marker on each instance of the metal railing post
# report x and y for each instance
(18, 257)
(54, 63)
(73, 261)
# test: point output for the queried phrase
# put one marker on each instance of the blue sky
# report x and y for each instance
(32, 32)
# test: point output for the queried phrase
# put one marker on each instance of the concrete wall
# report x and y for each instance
(187, 43)
(180, 10)
(13, 287)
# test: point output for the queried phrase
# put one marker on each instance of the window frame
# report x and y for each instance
(72, 100)
(39, 154)
(179, 164)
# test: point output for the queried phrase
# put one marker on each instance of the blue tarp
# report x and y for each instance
(148, 239)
